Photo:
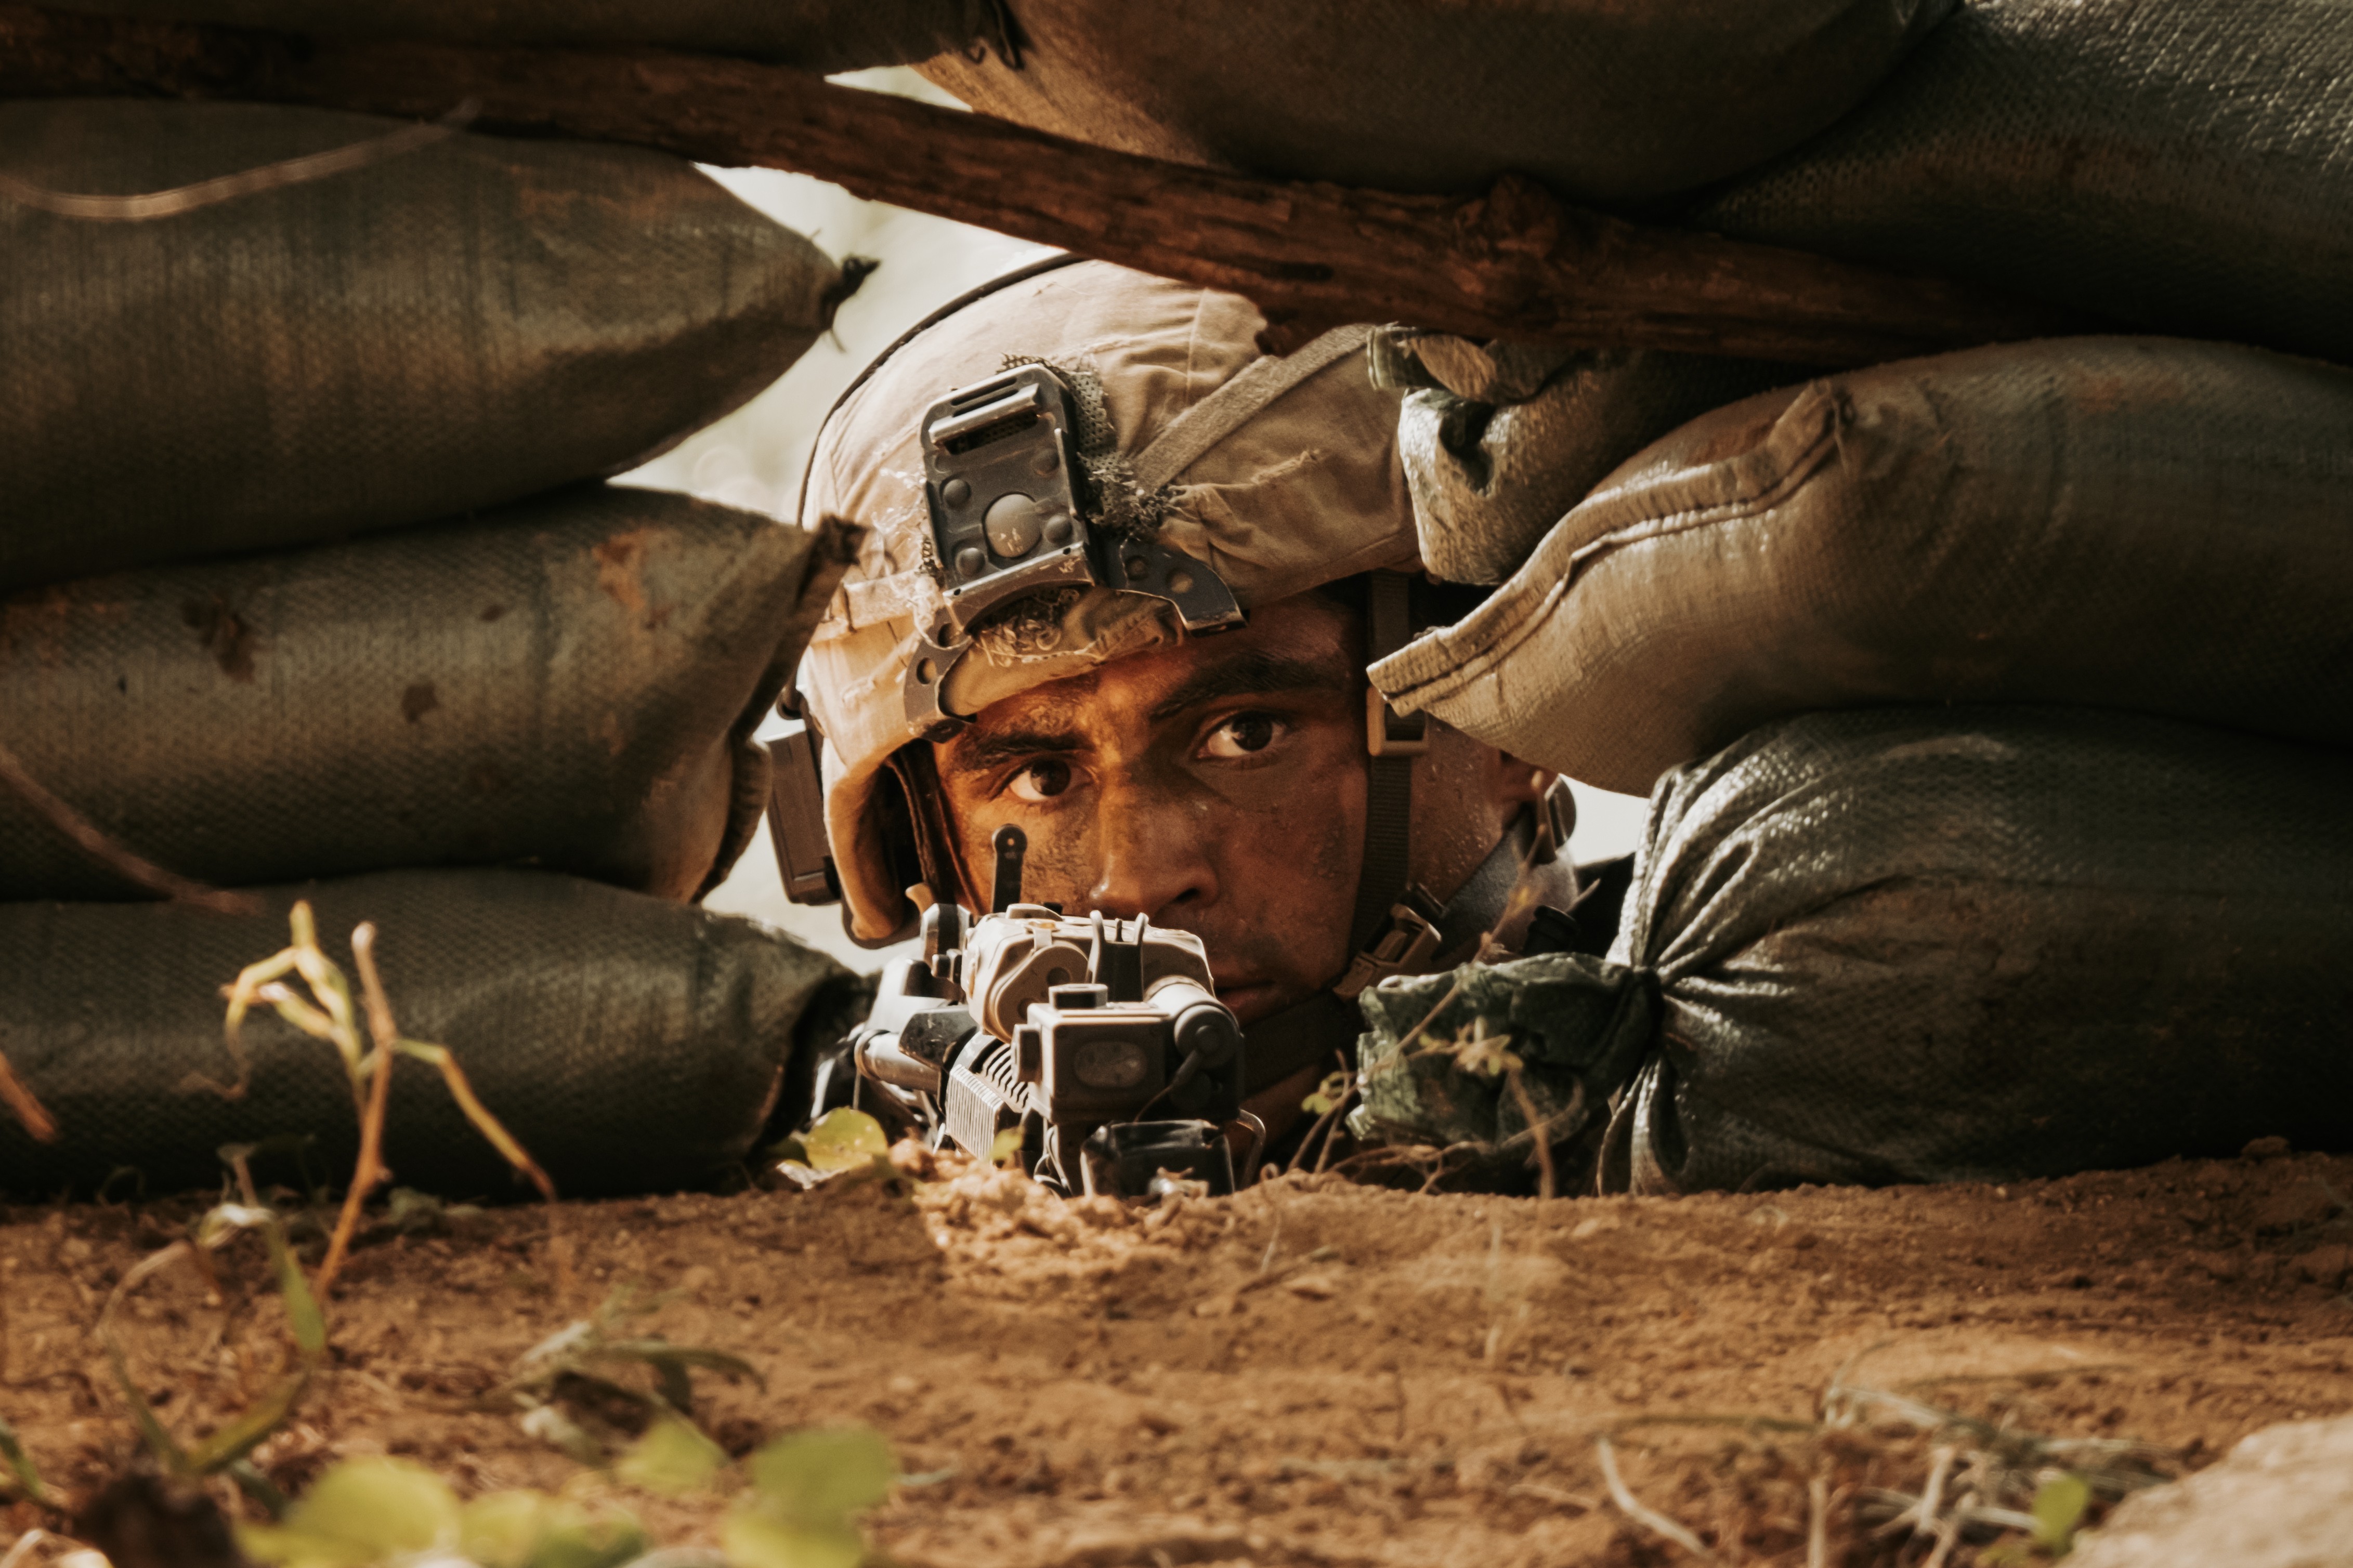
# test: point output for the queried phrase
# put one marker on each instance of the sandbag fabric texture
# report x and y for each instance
(1601, 99)
(570, 682)
(816, 34)
(2144, 524)
(2173, 165)
(1948, 943)
(1494, 458)
(629, 1043)
(455, 326)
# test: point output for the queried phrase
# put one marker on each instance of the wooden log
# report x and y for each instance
(1514, 262)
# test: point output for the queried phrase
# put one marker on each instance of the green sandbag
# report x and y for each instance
(569, 682)
(1602, 99)
(1933, 945)
(816, 34)
(2178, 166)
(455, 326)
(2133, 522)
(629, 1044)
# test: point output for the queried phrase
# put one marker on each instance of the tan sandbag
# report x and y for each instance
(456, 325)
(1600, 99)
(2141, 524)
(816, 35)
(1500, 440)
(2174, 165)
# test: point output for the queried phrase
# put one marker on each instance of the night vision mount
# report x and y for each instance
(1008, 515)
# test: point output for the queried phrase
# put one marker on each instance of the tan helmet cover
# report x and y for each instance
(1303, 490)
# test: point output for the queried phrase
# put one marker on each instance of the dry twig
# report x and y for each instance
(1514, 261)
(1648, 1519)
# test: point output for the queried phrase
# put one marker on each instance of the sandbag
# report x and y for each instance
(1500, 440)
(458, 325)
(572, 682)
(2177, 166)
(1931, 944)
(2141, 524)
(630, 1045)
(1601, 99)
(816, 34)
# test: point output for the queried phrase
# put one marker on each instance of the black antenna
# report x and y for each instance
(1011, 845)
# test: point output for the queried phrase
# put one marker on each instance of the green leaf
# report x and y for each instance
(751, 1538)
(822, 1476)
(20, 1464)
(1005, 1145)
(501, 1530)
(303, 1313)
(376, 1508)
(532, 1529)
(673, 1459)
(2058, 1508)
(844, 1139)
(1328, 1094)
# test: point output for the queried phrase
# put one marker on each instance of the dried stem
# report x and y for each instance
(1648, 1519)
(370, 1169)
(20, 1099)
(93, 842)
(1540, 1128)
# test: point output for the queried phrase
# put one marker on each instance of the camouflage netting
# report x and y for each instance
(570, 682)
(2181, 165)
(455, 326)
(1930, 945)
(630, 1045)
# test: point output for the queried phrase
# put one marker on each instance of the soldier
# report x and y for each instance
(1122, 577)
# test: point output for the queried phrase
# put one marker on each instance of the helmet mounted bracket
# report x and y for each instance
(1009, 518)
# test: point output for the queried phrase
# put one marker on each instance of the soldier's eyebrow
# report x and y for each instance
(977, 753)
(1255, 675)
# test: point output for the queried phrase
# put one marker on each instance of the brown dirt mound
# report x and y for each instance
(1308, 1372)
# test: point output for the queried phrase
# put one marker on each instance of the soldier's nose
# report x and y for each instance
(1156, 856)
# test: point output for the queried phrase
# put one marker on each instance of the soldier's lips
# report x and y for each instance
(1252, 1000)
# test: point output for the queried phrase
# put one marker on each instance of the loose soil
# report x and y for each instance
(1309, 1372)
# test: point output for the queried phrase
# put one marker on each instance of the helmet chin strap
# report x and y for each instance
(1528, 867)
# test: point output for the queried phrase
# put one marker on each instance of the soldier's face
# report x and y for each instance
(1217, 786)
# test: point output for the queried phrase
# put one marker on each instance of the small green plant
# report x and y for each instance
(568, 1396)
(226, 1447)
(844, 1142)
(797, 1504)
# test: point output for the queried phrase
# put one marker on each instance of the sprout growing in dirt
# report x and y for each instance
(224, 1449)
(327, 1014)
(568, 1393)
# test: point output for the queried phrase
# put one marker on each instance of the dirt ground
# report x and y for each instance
(1310, 1373)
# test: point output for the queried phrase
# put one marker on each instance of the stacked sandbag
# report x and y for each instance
(451, 326)
(1927, 944)
(1601, 99)
(814, 35)
(1499, 439)
(2177, 166)
(313, 577)
(569, 682)
(629, 1044)
(2141, 524)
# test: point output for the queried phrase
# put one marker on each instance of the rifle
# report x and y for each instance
(1070, 1031)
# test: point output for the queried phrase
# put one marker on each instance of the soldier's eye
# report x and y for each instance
(1040, 781)
(1241, 735)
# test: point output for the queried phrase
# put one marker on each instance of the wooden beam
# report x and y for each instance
(1514, 262)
